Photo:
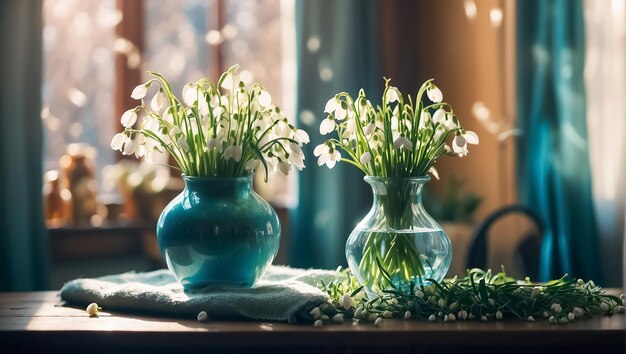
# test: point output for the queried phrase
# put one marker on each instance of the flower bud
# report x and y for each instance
(318, 323)
(407, 315)
(338, 318)
(378, 322)
(92, 309)
(202, 316)
(432, 318)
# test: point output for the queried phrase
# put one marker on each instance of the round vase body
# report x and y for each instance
(218, 231)
(397, 242)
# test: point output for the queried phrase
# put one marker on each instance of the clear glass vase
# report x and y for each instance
(397, 241)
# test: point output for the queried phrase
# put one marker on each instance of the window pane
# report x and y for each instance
(78, 83)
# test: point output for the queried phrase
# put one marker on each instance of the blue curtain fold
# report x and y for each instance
(336, 51)
(23, 252)
(554, 176)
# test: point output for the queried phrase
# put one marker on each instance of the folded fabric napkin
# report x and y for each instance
(283, 294)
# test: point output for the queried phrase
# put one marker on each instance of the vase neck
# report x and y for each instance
(401, 188)
(219, 187)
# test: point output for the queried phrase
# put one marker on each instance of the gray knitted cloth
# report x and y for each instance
(283, 295)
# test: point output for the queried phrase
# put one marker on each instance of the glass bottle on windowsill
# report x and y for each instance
(80, 177)
(57, 200)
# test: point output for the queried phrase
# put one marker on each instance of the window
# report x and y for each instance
(184, 40)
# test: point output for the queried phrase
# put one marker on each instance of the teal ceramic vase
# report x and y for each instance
(218, 231)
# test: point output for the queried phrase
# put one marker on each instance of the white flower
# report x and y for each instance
(499, 315)
(552, 319)
(212, 143)
(365, 158)
(252, 164)
(332, 105)
(387, 314)
(407, 315)
(358, 311)
(118, 141)
(563, 320)
(202, 316)
(433, 171)
(434, 94)
(445, 318)
(129, 118)
(233, 152)
(327, 125)
(301, 137)
(140, 91)
(283, 166)
(315, 312)
(157, 102)
(419, 293)
(190, 94)
(440, 116)
(451, 317)
(459, 144)
(393, 94)
(531, 319)
(402, 142)
(338, 318)
(369, 129)
(571, 316)
(326, 155)
(432, 318)
(441, 302)
(578, 312)
(182, 144)
(556, 308)
(463, 314)
(318, 323)
(483, 318)
(264, 99)
(92, 309)
(227, 84)
(346, 301)
(130, 146)
(378, 322)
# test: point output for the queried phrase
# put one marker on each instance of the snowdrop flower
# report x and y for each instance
(369, 129)
(358, 311)
(378, 322)
(346, 301)
(490, 301)
(158, 102)
(578, 312)
(393, 94)
(233, 152)
(531, 319)
(441, 302)
(499, 315)
(483, 318)
(571, 316)
(202, 316)
(228, 82)
(459, 144)
(440, 116)
(365, 158)
(212, 143)
(419, 293)
(324, 318)
(190, 94)
(264, 99)
(315, 312)
(130, 145)
(326, 155)
(433, 171)
(92, 309)
(407, 315)
(118, 141)
(402, 142)
(338, 318)
(552, 319)
(318, 323)
(556, 308)
(446, 318)
(129, 118)
(434, 94)
(432, 318)
(462, 314)
(301, 137)
(563, 320)
(140, 91)
(332, 105)
(387, 314)
(327, 125)
(451, 317)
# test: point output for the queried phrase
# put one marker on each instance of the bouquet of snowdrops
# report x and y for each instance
(399, 140)
(218, 130)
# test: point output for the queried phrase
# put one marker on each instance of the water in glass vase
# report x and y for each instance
(408, 256)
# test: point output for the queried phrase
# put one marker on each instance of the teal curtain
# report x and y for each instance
(552, 155)
(22, 235)
(336, 51)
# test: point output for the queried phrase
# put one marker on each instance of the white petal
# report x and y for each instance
(369, 129)
(365, 158)
(157, 102)
(190, 94)
(331, 105)
(434, 94)
(459, 141)
(252, 164)
(320, 149)
(331, 163)
(228, 82)
(439, 116)
(471, 137)
(323, 159)
(139, 92)
(327, 126)
(392, 95)
(433, 171)
(129, 118)
(265, 99)
(129, 146)
(118, 141)
(302, 137)
(341, 113)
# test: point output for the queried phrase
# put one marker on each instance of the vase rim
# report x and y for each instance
(422, 179)
(216, 178)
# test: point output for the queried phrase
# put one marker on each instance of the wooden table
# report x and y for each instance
(37, 321)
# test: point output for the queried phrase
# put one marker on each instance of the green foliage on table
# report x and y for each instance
(481, 295)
